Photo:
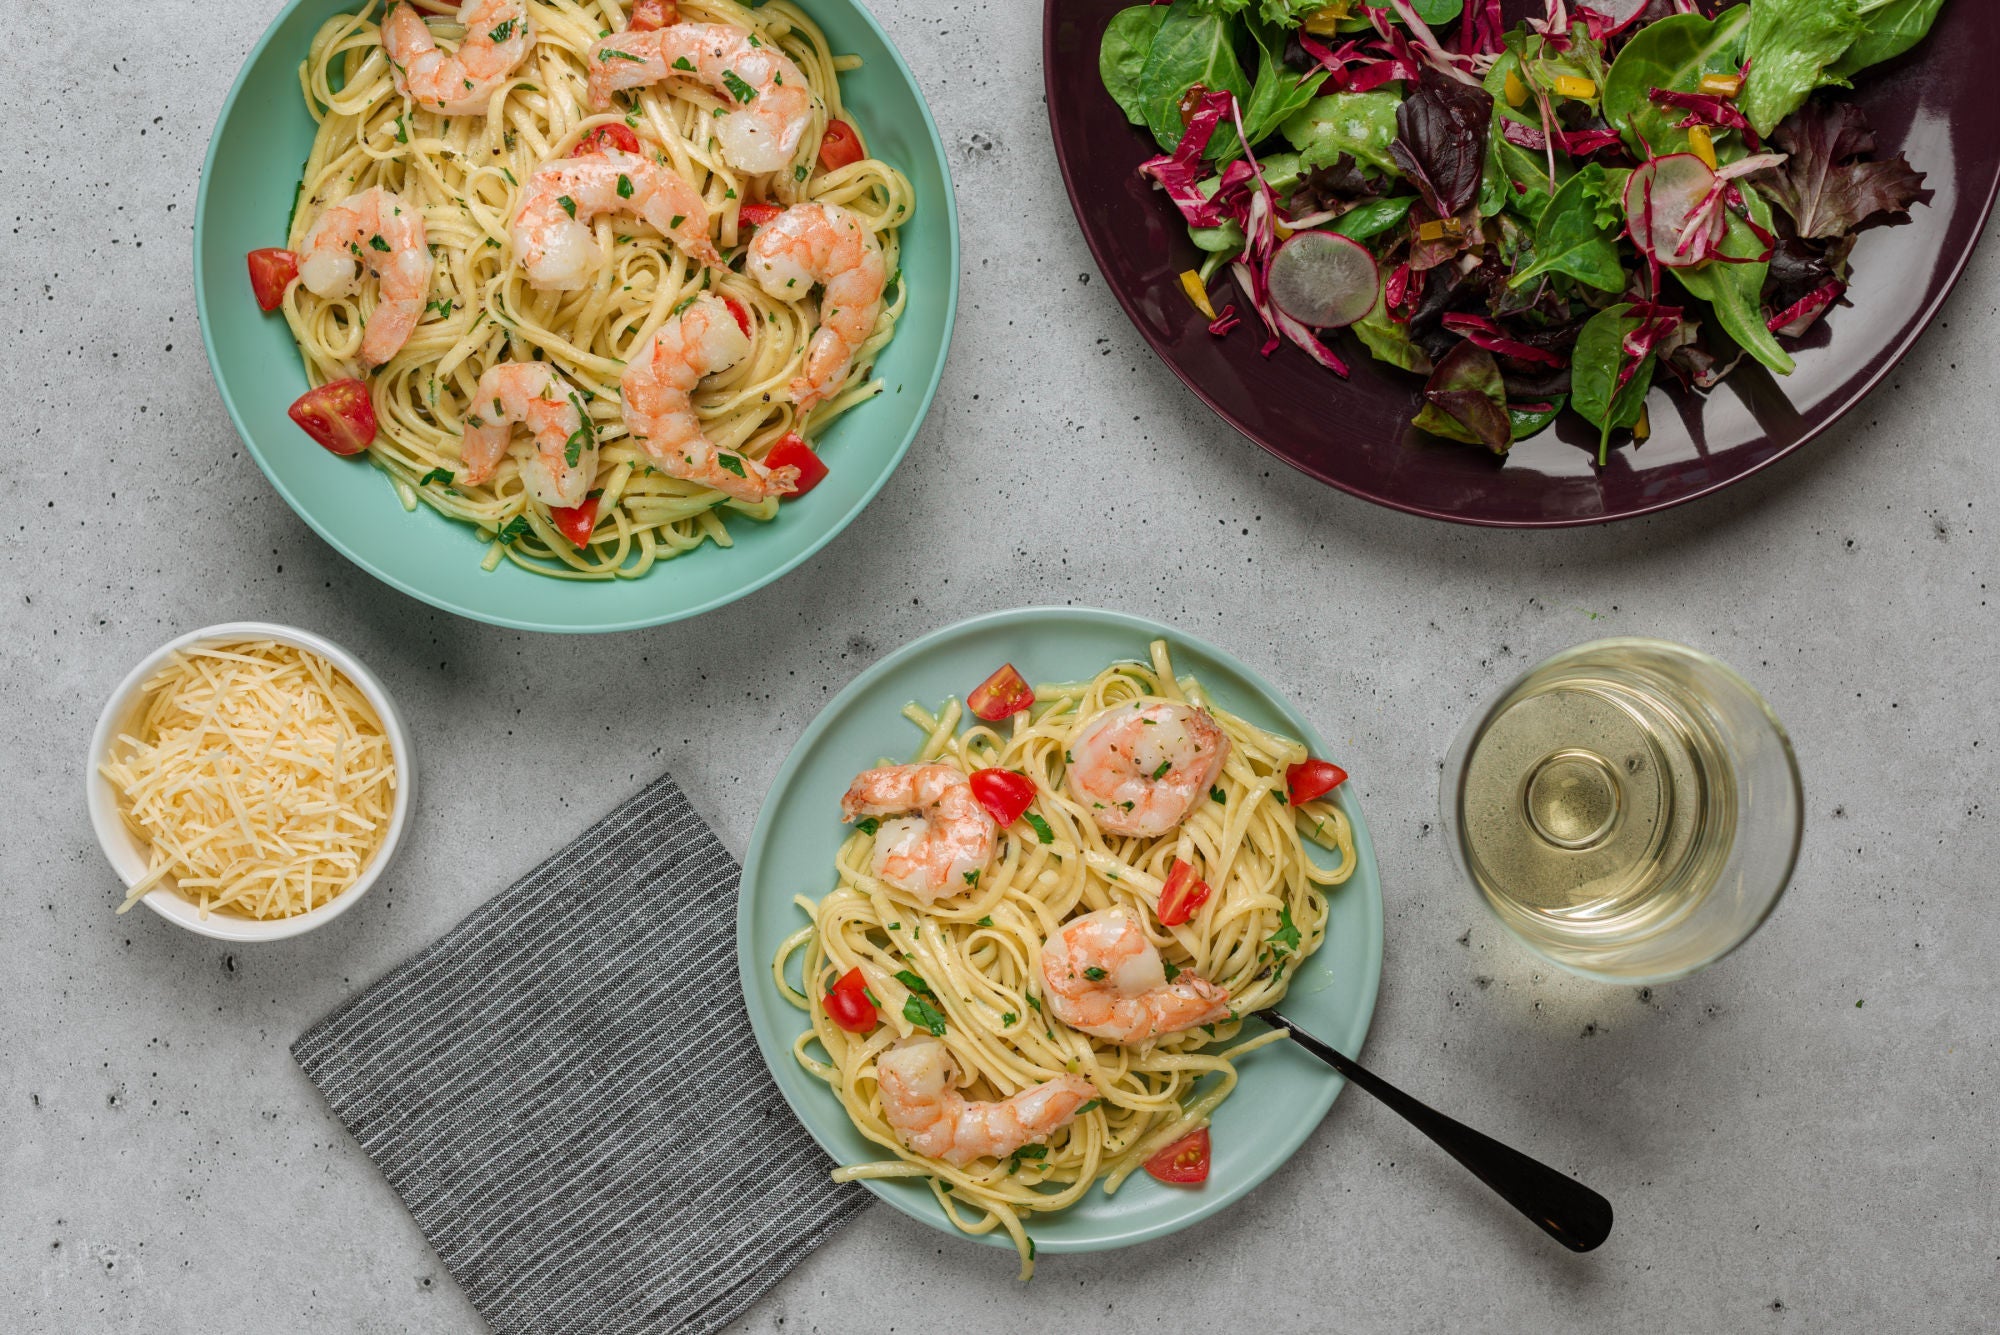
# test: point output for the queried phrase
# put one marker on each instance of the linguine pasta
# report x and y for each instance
(978, 952)
(466, 173)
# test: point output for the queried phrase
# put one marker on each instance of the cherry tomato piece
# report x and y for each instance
(648, 15)
(271, 272)
(1005, 692)
(791, 451)
(839, 146)
(1181, 895)
(604, 138)
(1313, 778)
(1004, 794)
(1183, 1163)
(576, 522)
(742, 316)
(756, 213)
(339, 415)
(848, 1004)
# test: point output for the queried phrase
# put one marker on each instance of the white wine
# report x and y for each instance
(1598, 804)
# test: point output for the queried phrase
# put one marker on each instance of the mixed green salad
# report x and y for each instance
(1534, 218)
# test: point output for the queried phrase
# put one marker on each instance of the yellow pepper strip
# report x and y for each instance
(1517, 92)
(1642, 428)
(1325, 21)
(1576, 86)
(1702, 144)
(1437, 229)
(1720, 85)
(1197, 292)
(1284, 232)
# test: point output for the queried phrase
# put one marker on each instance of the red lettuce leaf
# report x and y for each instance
(1822, 185)
(1465, 400)
(1441, 140)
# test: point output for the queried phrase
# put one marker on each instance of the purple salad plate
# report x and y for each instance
(1939, 105)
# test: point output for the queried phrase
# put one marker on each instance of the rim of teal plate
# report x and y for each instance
(764, 1005)
(833, 529)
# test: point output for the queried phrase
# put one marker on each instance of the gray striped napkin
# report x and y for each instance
(565, 1092)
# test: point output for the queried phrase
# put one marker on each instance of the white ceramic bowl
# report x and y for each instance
(128, 853)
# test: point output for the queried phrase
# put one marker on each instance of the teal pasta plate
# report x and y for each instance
(443, 534)
(1282, 1093)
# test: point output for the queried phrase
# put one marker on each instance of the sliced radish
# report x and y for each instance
(1620, 12)
(1662, 198)
(1324, 280)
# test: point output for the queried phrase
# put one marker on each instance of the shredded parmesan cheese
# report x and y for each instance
(260, 777)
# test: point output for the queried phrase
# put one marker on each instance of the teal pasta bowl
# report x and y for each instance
(1283, 1092)
(244, 203)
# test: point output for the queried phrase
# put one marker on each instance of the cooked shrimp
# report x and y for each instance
(932, 855)
(822, 243)
(497, 36)
(659, 412)
(930, 1116)
(551, 228)
(770, 100)
(379, 231)
(1105, 977)
(1141, 768)
(533, 393)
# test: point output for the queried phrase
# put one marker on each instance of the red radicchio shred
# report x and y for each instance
(1400, 291)
(1706, 109)
(1486, 30)
(1600, 25)
(1421, 39)
(1179, 173)
(1522, 135)
(1798, 317)
(1532, 407)
(1656, 324)
(1225, 322)
(1482, 332)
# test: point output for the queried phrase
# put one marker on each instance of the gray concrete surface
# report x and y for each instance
(1801, 1139)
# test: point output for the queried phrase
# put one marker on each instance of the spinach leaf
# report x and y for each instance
(1372, 217)
(1735, 292)
(1525, 176)
(1528, 424)
(1888, 29)
(1122, 54)
(1573, 236)
(1388, 341)
(1595, 362)
(1278, 93)
(1226, 239)
(1362, 125)
(1441, 134)
(1434, 12)
(1673, 53)
(1190, 48)
(1466, 400)
(1791, 44)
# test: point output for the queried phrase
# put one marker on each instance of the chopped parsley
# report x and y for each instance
(568, 204)
(914, 981)
(800, 172)
(1217, 796)
(679, 218)
(608, 54)
(402, 129)
(1034, 1001)
(1008, 1019)
(683, 63)
(738, 89)
(501, 32)
(624, 186)
(986, 921)
(515, 529)
(444, 475)
(1286, 939)
(1094, 974)
(924, 1015)
(972, 877)
(377, 243)
(868, 825)
(1040, 827)
(1173, 969)
(1161, 772)
(443, 306)
(734, 464)
(1091, 1106)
